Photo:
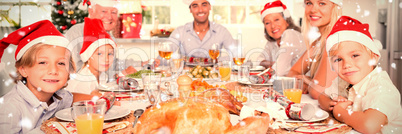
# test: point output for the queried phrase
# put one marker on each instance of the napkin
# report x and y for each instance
(69, 127)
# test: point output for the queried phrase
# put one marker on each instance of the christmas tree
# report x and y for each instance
(66, 14)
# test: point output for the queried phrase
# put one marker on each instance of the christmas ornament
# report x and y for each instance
(73, 22)
(64, 27)
(58, 3)
(70, 12)
(60, 12)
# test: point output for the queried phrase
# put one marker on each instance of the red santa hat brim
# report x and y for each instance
(274, 7)
(26, 37)
(95, 36)
(349, 29)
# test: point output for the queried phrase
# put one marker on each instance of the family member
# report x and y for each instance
(97, 53)
(107, 11)
(43, 65)
(373, 104)
(285, 43)
(319, 18)
(195, 38)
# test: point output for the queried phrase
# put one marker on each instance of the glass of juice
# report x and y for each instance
(292, 89)
(89, 116)
(225, 70)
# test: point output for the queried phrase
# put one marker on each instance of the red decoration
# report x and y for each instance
(64, 27)
(60, 12)
(131, 25)
(58, 3)
(73, 22)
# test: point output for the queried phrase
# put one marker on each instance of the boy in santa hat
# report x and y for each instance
(97, 53)
(373, 103)
(43, 63)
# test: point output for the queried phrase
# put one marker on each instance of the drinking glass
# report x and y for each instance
(89, 116)
(151, 82)
(177, 65)
(165, 50)
(225, 70)
(292, 89)
(239, 59)
(214, 54)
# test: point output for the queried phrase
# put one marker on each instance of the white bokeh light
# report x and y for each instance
(26, 123)
(393, 65)
(1, 100)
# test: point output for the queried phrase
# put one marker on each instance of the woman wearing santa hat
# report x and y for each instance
(319, 18)
(285, 43)
(97, 53)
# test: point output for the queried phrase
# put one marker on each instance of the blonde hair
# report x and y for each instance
(306, 27)
(29, 60)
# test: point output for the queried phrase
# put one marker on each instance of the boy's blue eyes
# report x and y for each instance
(42, 62)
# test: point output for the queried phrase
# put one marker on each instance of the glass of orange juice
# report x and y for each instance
(292, 89)
(225, 70)
(89, 116)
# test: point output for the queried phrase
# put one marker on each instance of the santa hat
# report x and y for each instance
(40, 32)
(188, 2)
(349, 29)
(274, 7)
(104, 3)
(94, 37)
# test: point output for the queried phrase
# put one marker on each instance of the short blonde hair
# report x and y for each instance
(29, 60)
(335, 49)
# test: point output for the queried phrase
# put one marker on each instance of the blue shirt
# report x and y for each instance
(22, 112)
(187, 39)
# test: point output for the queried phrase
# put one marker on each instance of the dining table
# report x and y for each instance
(254, 93)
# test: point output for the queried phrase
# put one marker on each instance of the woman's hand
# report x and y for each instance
(266, 64)
(129, 70)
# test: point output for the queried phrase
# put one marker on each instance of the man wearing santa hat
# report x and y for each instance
(107, 11)
(196, 38)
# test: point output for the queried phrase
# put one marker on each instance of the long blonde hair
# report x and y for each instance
(29, 59)
(306, 28)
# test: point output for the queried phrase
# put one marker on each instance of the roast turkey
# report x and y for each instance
(207, 113)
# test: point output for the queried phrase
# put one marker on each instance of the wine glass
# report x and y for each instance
(165, 50)
(239, 59)
(214, 54)
(177, 65)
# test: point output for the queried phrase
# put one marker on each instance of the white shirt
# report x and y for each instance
(85, 82)
(376, 91)
(22, 112)
(291, 49)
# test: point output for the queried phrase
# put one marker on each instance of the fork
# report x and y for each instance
(292, 129)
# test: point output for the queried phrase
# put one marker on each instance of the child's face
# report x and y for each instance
(50, 70)
(353, 62)
(101, 59)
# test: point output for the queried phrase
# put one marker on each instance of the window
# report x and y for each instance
(14, 13)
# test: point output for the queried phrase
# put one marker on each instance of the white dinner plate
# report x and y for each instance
(254, 69)
(201, 64)
(249, 83)
(114, 113)
(319, 116)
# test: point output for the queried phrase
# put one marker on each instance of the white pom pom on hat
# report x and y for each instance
(350, 29)
(95, 36)
(274, 7)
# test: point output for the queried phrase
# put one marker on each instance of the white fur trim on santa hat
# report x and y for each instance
(348, 35)
(338, 2)
(49, 40)
(275, 10)
(95, 45)
(188, 2)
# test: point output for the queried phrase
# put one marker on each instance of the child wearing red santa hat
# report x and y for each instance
(97, 53)
(373, 103)
(43, 65)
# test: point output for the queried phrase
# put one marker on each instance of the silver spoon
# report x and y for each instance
(137, 114)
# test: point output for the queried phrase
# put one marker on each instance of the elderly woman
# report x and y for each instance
(285, 42)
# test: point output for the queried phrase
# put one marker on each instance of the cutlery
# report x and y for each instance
(137, 114)
(292, 129)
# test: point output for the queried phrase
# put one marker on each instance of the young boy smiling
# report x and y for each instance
(373, 103)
